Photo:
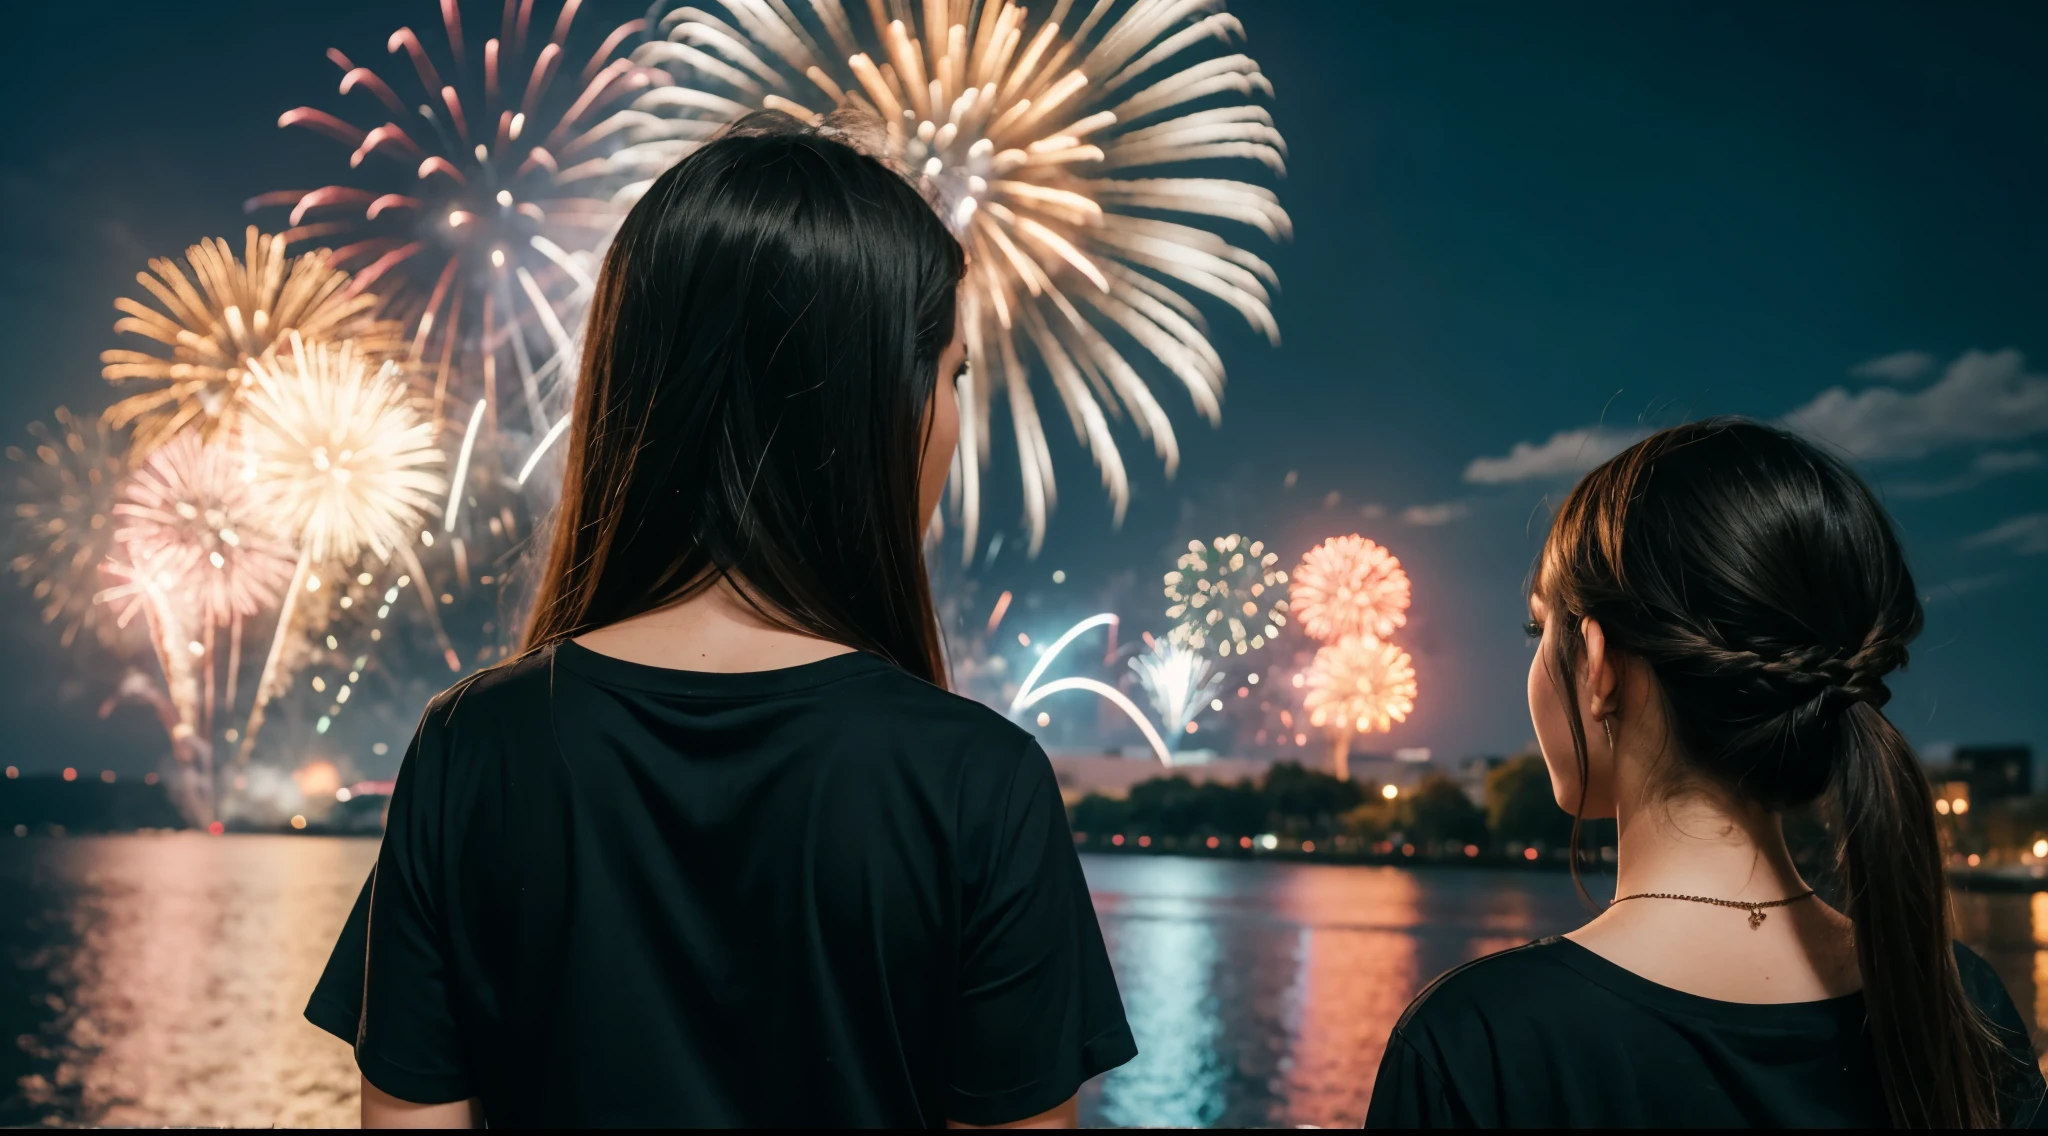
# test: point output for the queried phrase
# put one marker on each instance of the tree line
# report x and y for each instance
(1297, 804)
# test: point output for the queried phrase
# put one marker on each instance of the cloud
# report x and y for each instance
(1568, 452)
(1898, 367)
(1995, 462)
(1982, 397)
(1967, 585)
(1372, 512)
(2026, 534)
(1987, 465)
(1440, 514)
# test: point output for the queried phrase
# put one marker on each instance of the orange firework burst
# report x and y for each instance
(1359, 685)
(1348, 586)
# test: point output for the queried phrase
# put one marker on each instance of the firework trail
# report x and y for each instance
(1348, 586)
(215, 316)
(483, 199)
(1032, 138)
(63, 522)
(1356, 686)
(141, 589)
(1228, 590)
(344, 460)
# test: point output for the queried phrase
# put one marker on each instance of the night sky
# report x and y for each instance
(1523, 234)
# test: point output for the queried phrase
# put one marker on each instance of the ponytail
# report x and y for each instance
(1762, 583)
(1934, 1054)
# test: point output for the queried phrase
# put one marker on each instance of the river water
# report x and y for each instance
(157, 979)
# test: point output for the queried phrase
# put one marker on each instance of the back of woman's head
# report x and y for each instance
(762, 351)
(1762, 584)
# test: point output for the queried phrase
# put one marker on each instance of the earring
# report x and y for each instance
(1607, 727)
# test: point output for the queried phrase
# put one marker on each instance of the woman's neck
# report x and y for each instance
(1700, 844)
(715, 630)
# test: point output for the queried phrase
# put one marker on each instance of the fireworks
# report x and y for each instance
(1349, 586)
(63, 530)
(344, 459)
(189, 515)
(486, 204)
(342, 454)
(1227, 590)
(1178, 680)
(1026, 135)
(221, 318)
(1359, 685)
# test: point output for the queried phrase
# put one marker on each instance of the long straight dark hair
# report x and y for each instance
(762, 351)
(1762, 583)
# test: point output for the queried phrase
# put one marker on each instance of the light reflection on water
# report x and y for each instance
(158, 979)
(1262, 993)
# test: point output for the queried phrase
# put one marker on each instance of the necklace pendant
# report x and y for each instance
(1756, 919)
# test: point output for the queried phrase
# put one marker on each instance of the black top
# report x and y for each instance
(613, 894)
(1552, 1035)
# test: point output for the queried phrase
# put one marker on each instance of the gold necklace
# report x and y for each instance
(1756, 910)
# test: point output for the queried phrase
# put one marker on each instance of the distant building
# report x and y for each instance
(1992, 772)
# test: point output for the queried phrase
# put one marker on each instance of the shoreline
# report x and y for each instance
(2003, 879)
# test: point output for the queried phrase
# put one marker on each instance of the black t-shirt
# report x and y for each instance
(613, 894)
(1551, 1035)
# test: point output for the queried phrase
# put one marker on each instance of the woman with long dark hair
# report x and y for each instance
(719, 848)
(1717, 610)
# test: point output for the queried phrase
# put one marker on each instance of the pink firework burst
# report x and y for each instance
(188, 518)
(1349, 586)
(484, 196)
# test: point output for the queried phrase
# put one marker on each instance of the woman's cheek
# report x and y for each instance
(1553, 730)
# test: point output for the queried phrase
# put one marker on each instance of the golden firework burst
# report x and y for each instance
(1055, 147)
(218, 315)
(65, 488)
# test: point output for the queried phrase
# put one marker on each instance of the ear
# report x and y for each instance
(1599, 676)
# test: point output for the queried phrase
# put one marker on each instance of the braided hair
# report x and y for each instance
(1763, 584)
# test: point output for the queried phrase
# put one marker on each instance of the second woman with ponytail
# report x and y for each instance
(1717, 611)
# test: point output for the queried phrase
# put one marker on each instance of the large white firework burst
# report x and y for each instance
(1054, 144)
(346, 461)
(189, 518)
(214, 316)
(482, 201)
(1347, 586)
